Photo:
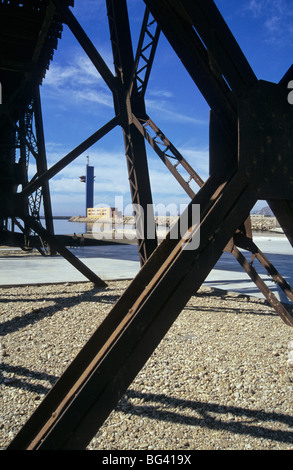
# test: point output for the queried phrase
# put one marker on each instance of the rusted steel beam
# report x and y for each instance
(172, 168)
(135, 151)
(265, 129)
(41, 162)
(63, 251)
(269, 295)
(81, 400)
(145, 54)
(178, 28)
(275, 275)
(242, 237)
(140, 192)
(39, 180)
(229, 60)
(97, 60)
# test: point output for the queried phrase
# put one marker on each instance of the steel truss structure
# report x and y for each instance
(251, 124)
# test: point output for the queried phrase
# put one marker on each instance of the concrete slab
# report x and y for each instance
(122, 262)
(106, 263)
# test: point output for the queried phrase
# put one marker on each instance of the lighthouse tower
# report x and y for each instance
(88, 179)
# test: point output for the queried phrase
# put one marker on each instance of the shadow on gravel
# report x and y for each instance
(214, 416)
(39, 313)
(22, 379)
(237, 420)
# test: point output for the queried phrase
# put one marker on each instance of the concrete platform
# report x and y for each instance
(121, 262)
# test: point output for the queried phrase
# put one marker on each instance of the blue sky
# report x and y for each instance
(76, 101)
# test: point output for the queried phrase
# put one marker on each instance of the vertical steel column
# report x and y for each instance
(23, 173)
(41, 161)
(134, 143)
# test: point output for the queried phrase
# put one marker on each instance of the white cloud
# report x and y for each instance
(80, 71)
(199, 160)
(164, 109)
(161, 93)
(260, 7)
(276, 17)
(255, 7)
(76, 81)
(110, 173)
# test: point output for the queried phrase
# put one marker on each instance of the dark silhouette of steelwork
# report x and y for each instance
(29, 33)
(250, 158)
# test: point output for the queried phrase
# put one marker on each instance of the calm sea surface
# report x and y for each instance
(64, 227)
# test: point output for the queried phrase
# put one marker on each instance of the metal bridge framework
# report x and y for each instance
(251, 124)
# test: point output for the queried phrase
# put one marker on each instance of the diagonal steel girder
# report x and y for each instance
(63, 251)
(78, 404)
(145, 54)
(38, 181)
(243, 234)
(215, 62)
(120, 86)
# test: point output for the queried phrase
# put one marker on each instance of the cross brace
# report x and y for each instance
(84, 396)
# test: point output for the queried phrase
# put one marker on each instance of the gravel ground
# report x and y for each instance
(219, 380)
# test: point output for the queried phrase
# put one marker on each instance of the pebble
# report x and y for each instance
(221, 379)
